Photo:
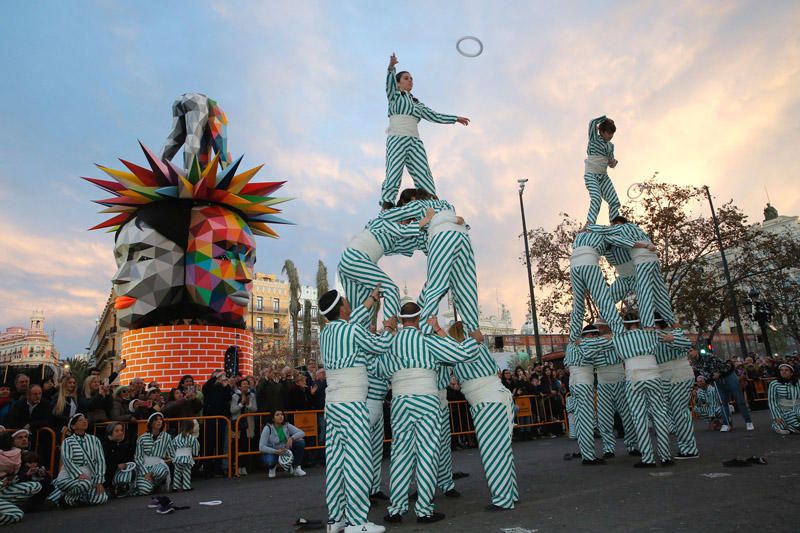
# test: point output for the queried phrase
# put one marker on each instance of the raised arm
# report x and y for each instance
(412, 210)
(447, 350)
(593, 124)
(391, 80)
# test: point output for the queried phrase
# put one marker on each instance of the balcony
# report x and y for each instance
(280, 332)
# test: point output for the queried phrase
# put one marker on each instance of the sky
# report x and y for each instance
(703, 93)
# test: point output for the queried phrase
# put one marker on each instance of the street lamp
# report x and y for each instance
(760, 312)
(522, 182)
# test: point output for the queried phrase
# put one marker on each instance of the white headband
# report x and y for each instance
(411, 315)
(335, 301)
(20, 431)
(149, 418)
(632, 321)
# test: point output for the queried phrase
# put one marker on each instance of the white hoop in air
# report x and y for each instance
(468, 54)
(635, 191)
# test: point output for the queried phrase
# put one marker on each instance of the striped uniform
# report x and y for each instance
(345, 345)
(588, 278)
(14, 493)
(123, 482)
(651, 291)
(407, 151)
(415, 417)
(678, 389)
(611, 396)
(359, 274)
(707, 404)
(376, 395)
(82, 454)
(494, 422)
(147, 446)
(599, 184)
(581, 389)
(784, 402)
(644, 392)
(444, 470)
(183, 463)
(620, 259)
(451, 265)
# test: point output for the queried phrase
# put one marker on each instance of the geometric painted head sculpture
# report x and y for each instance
(184, 241)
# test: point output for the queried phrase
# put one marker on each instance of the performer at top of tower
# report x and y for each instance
(404, 148)
(600, 156)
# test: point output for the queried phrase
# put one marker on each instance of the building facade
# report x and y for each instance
(268, 316)
(106, 340)
(28, 346)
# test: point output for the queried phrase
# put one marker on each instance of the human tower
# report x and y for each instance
(413, 353)
(638, 360)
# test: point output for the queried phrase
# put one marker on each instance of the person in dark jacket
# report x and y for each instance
(217, 394)
(298, 397)
(269, 392)
(180, 405)
(29, 412)
(120, 466)
(95, 400)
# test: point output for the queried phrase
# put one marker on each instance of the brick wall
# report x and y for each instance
(166, 353)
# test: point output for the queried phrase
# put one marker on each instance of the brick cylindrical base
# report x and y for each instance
(166, 353)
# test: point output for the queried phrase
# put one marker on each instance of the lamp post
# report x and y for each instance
(522, 183)
(761, 313)
(729, 284)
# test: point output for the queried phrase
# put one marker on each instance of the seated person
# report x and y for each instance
(83, 465)
(282, 443)
(120, 467)
(707, 405)
(13, 490)
(783, 396)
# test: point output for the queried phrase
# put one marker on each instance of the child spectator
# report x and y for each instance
(184, 448)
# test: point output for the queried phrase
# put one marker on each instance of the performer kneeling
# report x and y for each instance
(783, 396)
(707, 405)
(491, 409)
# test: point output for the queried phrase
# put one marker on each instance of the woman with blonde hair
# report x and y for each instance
(95, 400)
(66, 401)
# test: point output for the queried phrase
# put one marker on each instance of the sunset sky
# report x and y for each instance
(702, 92)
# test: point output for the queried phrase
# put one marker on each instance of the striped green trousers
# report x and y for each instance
(123, 482)
(376, 436)
(620, 287)
(347, 462)
(611, 398)
(582, 390)
(12, 494)
(493, 429)
(359, 276)
(651, 294)
(444, 470)
(415, 428)
(590, 279)
(646, 401)
(144, 486)
(80, 492)
(678, 395)
(183, 476)
(405, 152)
(600, 188)
(451, 266)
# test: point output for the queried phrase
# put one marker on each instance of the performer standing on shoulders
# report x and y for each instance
(404, 148)
(600, 156)
(346, 348)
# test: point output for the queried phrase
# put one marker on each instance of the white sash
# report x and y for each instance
(413, 382)
(643, 255)
(183, 452)
(445, 221)
(641, 368)
(609, 375)
(152, 461)
(403, 126)
(346, 385)
(625, 270)
(488, 389)
(787, 404)
(584, 256)
(596, 164)
(86, 470)
(581, 375)
(367, 243)
(676, 371)
(443, 398)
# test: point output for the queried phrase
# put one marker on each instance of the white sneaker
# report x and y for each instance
(272, 471)
(750, 426)
(782, 431)
(242, 471)
(369, 527)
(298, 472)
(725, 428)
(335, 527)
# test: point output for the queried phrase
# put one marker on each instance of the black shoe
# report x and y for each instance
(668, 462)
(640, 464)
(576, 455)
(593, 462)
(609, 455)
(393, 518)
(635, 453)
(459, 475)
(378, 496)
(431, 518)
(682, 456)
(492, 508)
(452, 493)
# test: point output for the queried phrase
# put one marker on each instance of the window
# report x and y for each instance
(260, 324)
(314, 312)
(276, 305)
(277, 346)
(276, 325)
(259, 303)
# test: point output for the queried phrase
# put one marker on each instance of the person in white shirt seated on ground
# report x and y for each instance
(282, 444)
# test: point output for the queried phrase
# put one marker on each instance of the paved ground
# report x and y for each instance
(556, 495)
